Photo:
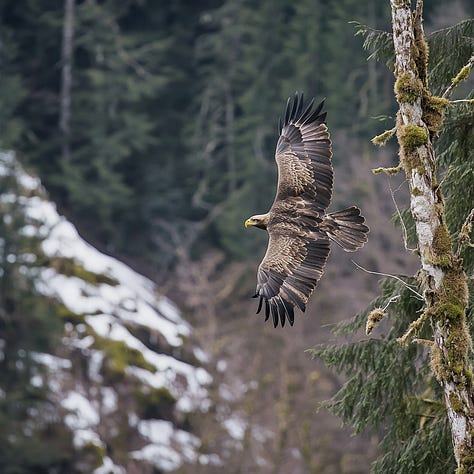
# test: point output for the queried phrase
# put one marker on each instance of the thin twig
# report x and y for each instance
(423, 342)
(462, 101)
(389, 276)
(444, 178)
(393, 299)
(413, 327)
(464, 238)
(402, 223)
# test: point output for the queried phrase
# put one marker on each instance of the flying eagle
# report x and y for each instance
(299, 229)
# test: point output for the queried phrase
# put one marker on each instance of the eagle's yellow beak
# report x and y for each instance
(247, 223)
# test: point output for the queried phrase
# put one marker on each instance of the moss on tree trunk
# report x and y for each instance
(444, 280)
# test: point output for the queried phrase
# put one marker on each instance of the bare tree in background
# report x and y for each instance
(66, 78)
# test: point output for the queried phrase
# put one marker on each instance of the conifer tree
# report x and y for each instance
(414, 384)
(32, 438)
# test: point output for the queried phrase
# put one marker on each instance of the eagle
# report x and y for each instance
(298, 226)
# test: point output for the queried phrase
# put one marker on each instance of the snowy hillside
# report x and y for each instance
(125, 378)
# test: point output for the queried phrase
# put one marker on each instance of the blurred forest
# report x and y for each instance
(153, 124)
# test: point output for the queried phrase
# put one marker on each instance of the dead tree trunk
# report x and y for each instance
(66, 78)
(444, 280)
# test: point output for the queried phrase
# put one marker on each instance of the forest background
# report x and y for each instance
(152, 125)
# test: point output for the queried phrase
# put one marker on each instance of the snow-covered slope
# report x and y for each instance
(125, 378)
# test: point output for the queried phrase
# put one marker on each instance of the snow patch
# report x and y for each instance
(108, 467)
(83, 414)
(168, 446)
(235, 427)
(52, 362)
(109, 400)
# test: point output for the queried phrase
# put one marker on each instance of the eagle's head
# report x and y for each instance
(260, 221)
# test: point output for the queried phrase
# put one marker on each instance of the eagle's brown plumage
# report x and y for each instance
(298, 227)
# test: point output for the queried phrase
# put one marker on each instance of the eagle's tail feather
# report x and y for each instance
(347, 228)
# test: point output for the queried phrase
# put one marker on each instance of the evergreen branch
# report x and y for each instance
(378, 41)
(458, 40)
(462, 75)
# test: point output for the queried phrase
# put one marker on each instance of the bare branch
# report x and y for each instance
(462, 75)
(402, 222)
(462, 101)
(414, 326)
(420, 297)
(464, 237)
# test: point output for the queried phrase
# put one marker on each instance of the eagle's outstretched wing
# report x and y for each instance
(303, 154)
(288, 274)
(297, 249)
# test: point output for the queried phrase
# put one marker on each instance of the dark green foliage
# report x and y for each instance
(174, 109)
(12, 91)
(32, 439)
(454, 148)
(423, 452)
(459, 41)
(155, 403)
(379, 42)
(391, 390)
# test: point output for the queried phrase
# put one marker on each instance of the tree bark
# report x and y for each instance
(443, 278)
(66, 78)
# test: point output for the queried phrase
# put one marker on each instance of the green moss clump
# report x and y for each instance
(374, 317)
(413, 136)
(69, 267)
(466, 459)
(462, 75)
(416, 192)
(441, 254)
(458, 343)
(447, 312)
(453, 367)
(433, 112)
(441, 240)
(420, 49)
(383, 138)
(454, 288)
(455, 403)
(67, 315)
(390, 171)
(408, 89)
(119, 356)
(93, 455)
(155, 403)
